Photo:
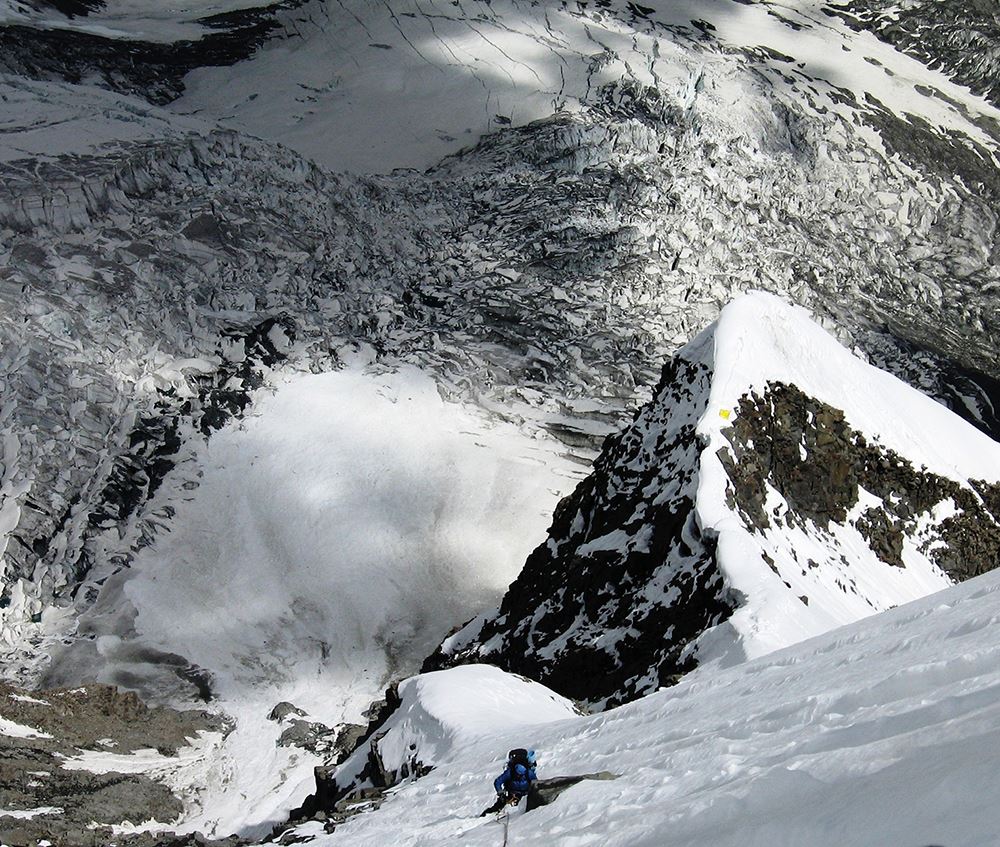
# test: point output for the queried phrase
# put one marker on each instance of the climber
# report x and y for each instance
(516, 780)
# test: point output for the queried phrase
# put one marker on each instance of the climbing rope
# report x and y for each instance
(506, 823)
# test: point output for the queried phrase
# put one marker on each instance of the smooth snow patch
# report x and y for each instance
(22, 698)
(19, 730)
(146, 760)
(27, 814)
(447, 709)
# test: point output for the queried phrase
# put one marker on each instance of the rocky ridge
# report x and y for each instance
(630, 591)
(606, 609)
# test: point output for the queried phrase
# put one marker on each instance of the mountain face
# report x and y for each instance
(606, 607)
(775, 487)
(554, 265)
(534, 205)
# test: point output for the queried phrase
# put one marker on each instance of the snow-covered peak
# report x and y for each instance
(760, 339)
(897, 479)
(776, 487)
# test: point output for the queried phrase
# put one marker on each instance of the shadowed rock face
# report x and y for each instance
(147, 69)
(605, 610)
(806, 451)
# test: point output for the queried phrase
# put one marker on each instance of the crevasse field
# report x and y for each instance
(311, 314)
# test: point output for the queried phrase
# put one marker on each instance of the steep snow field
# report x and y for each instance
(331, 539)
(882, 732)
(335, 537)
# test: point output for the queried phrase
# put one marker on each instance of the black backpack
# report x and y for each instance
(519, 756)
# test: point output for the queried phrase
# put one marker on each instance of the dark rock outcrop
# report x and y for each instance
(545, 791)
(605, 610)
(78, 806)
(338, 802)
(806, 451)
(148, 69)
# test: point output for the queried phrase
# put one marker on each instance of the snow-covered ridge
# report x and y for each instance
(438, 714)
(152, 290)
(881, 732)
(919, 486)
(776, 487)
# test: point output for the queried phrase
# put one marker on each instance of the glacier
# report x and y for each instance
(483, 227)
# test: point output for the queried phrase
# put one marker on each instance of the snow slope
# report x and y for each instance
(44, 120)
(882, 732)
(374, 86)
(697, 150)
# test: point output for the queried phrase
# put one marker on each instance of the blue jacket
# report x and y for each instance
(518, 782)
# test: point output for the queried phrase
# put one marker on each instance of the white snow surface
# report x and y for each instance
(369, 87)
(336, 535)
(27, 814)
(760, 339)
(881, 732)
(446, 710)
(12, 729)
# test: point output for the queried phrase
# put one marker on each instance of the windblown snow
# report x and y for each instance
(335, 537)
